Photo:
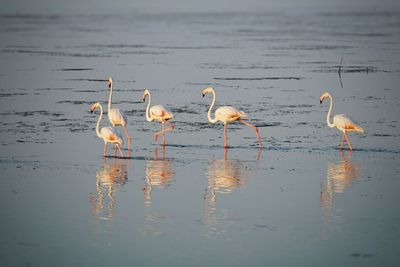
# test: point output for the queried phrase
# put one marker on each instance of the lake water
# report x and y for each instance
(297, 202)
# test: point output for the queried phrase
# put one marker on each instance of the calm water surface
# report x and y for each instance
(297, 202)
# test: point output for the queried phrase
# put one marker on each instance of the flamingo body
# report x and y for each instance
(117, 117)
(160, 114)
(340, 121)
(228, 114)
(345, 124)
(108, 134)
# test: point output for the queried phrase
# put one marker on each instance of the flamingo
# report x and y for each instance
(227, 114)
(116, 116)
(108, 134)
(158, 113)
(341, 122)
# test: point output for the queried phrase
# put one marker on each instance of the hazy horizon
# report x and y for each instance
(157, 6)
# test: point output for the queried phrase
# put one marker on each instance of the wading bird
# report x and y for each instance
(340, 121)
(116, 116)
(158, 113)
(108, 134)
(227, 114)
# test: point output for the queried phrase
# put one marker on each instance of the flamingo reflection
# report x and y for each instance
(159, 174)
(108, 180)
(224, 177)
(339, 176)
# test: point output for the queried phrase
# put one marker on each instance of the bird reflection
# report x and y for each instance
(159, 174)
(224, 177)
(108, 180)
(339, 176)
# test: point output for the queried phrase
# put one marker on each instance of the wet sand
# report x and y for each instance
(298, 201)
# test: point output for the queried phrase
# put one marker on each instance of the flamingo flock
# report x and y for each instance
(223, 114)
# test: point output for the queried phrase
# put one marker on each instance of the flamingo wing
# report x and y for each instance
(117, 117)
(158, 112)
(228, 114)
(344, 123)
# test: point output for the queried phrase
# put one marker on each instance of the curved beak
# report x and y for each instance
(203, 94)
(320, 101)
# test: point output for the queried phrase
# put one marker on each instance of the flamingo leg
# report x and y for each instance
(105, 149)
(156, 153)
(348, 141)
(341, 143)
(160, 132)
(127, 136)
(170, 128)
(225, 153)
(255, 128)
(115, 163)
(259, 153)
(163, 152)
(163, 133)
(225, 135)
(120, 152)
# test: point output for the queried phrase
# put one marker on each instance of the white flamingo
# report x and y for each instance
(158, 113)
(340, 121)
(227, 114)
(116, 116)
(108, 134)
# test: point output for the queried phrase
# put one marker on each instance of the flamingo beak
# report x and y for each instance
(203, 95)
(320, 101)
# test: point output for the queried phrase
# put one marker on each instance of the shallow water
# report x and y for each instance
(298, 201)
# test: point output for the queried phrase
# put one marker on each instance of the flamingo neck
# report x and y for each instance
(98, 122)
(209, 110)
(331, 125)
(110, 97)
(148, 117)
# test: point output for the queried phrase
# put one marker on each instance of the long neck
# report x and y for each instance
(331, 125)
(98, 122)
(209, 110)
(148, 117)
(110, 97)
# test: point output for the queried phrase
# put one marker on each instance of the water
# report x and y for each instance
(298, 201)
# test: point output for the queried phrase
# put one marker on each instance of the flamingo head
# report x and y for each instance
(145, 93)
(94, 106)
(323, 96)
(120, 141)
(110, 82)
(207, 90)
